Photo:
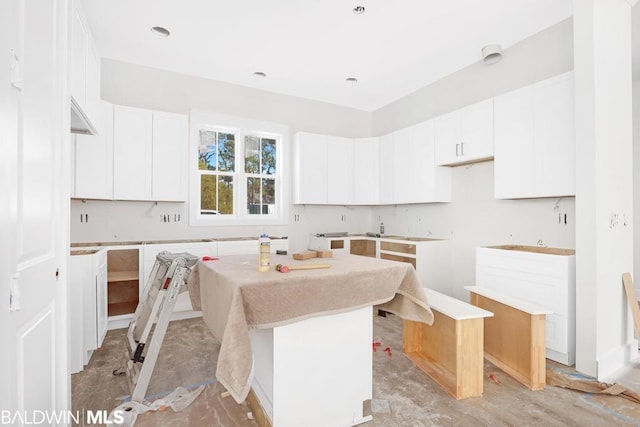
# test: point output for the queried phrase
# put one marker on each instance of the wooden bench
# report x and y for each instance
(514, 338)
(450, 350)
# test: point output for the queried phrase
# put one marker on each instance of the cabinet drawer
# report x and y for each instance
(411, 261)
(405, 248)
(363, 247)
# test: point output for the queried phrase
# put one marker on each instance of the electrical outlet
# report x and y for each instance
(84, 218)
(297, 217)
(563, 218)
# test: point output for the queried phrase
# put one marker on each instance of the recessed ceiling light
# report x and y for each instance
(160, 31)
(259, 74)
(351, 80)
(358, 10)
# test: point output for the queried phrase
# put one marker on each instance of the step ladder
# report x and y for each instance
(166, 281)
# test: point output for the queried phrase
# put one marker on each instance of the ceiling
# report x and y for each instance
(307, 48)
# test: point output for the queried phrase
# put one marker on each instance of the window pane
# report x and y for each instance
(226, 152)
(208, 195)
(207, 150)
(252, 154)
(268, 156)
(269, 196)
(225, 195)
(253, 196)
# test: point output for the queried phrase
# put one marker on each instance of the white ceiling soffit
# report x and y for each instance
(308, 48)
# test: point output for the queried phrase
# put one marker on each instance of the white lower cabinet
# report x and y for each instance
(88, 299)
(545, 277)
(430, 257)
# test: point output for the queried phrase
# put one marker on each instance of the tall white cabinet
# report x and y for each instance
(535, 140)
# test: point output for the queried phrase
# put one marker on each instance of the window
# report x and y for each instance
(237, 177)
(260, 166)
(216, 163)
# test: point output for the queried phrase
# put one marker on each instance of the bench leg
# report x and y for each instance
(515, 342)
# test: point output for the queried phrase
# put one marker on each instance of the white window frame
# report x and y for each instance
(241, 127)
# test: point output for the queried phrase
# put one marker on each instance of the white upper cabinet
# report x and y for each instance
(465, 135)
(84, 67)
(366, 185)
(402, 166)
(310, 168)
(339, 171)
(149, 155)
(93, 158)
(132, 153)
(169, 167)
(386, 169)
(416, 178)
(431, 183)
(535, 140)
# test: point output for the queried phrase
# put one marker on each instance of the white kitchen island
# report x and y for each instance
(302, 340)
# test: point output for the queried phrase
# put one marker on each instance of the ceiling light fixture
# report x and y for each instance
(351, 80)
(259, 74)
(358, 10)
(491, 53)
(160, 31)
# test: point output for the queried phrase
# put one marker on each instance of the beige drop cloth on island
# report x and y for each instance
(235, 297)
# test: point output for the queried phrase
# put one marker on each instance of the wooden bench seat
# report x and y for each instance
(450, 350)
(514, 338)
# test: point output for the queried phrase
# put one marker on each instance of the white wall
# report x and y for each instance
(543, 55)
(474, 218)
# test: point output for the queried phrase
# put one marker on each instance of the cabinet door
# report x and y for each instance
(339, 171)
(79, 42)
(102, 316)
(386, 169)
(403, 167)
(310, 169)
(446, 138)
(366, 185)
(92, 91)
(132, 155)
(431, 183)
(476, 131)
(94, 160)
(553, 127)
(513, 165)
(169, 156)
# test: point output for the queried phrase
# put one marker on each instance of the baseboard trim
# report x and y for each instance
(259, 415)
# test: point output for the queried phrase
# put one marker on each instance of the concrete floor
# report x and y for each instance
(402, 394)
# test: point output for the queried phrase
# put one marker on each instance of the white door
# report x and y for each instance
(34, 165)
